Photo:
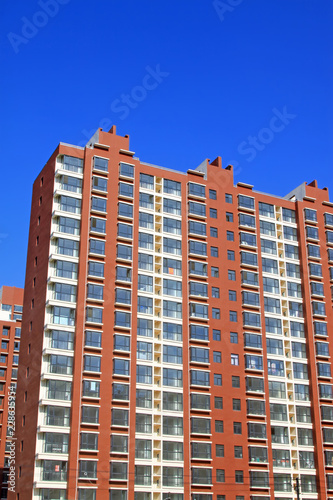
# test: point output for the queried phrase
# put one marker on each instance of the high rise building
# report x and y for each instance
(177, 332)
(11, 305)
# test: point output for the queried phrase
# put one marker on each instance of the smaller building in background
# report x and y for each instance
(11, 306)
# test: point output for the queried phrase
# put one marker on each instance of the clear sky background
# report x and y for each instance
(223, 70)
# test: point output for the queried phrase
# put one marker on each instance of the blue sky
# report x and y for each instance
(187, 80)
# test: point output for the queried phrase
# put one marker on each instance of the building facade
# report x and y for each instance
(11, 306)
(177, 334)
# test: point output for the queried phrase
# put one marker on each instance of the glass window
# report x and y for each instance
(248, 239)
(213, 232)
(253, 362)
(196, 190)
(252, 340)
(256, 407)
(122, 343)
(146, 181)
(91, 388)
(198, 332)
(146, 220)
(289, 215)
(145, 305)
(251, 319)
(122, 319)
(172, 331)
(172, 451)
(200, 401)
(249, 278)
(172, 246)
(197, 208)
(99, 184)
(266, 210)
(172, 377)
(126, 170)
(268, 246)
(172, 426)
(101, 163)
(199, 355)
(172, 206)
(215, 272)
(145, 283)
(314, 251)
(145, 262)
(198, 289)
(197, 247)
(146, 201)
(125, 231)
(229, 217)
(120, 392)
(121, 367)
(92, 363)
(172, 354)
(290, 233)
(94, 292)
(214, 252)
(201, 475)
(199, 377)
(94, 315)
(247, 220)
(195, 227)
(144, 400)
(245, 201)
(97, 247)
(89, 441)
(212, 194)
(142, 475)
(172, 187)
(172, 266)
(69, 226)
(125, 189)
(200, 425)
(254, 384)
(74, 165)
(144, 374)
(269, 265)
(173, 401)
(216, 335)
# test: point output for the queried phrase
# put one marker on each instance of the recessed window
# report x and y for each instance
(229, 217)
(231, 275)
(235, 381)
(232, 295)
(218, 403)
(230, 236)
(219, 449)
(217, 357)
(216, 313)
(213, 213)
(212, 194)
(231, 255)
(233, 316)
(234, 359)
(236, 404)
(217, 379)
(213, 232)
(217, 335)
(237, 428)
(215, 292)
(228, 198)
(233, 337)
(214, 251)
(238, 452)
(215, 272)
